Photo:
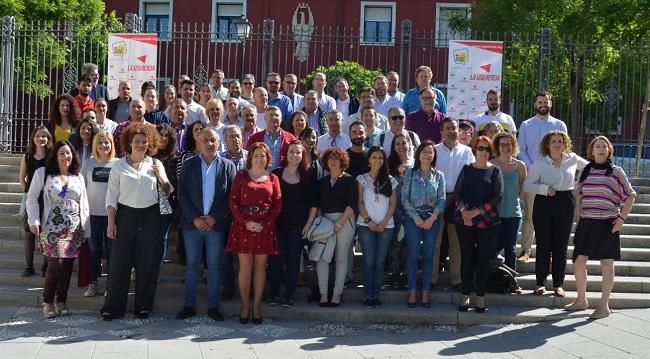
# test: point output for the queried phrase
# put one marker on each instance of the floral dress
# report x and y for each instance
(63, 232)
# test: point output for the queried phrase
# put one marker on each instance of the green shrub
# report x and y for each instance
(356, 75)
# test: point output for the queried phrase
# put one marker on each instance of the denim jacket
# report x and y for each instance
(423, 193)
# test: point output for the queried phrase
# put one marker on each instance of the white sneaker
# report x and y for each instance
(91, 291)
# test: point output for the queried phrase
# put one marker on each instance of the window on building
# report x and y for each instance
(445, 12)
(224, 17)
(377, 22)
(157, 18)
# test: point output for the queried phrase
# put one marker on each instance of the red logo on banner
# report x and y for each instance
(486, 67)
(143, 59)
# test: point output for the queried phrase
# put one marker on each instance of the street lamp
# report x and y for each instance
(243, 33)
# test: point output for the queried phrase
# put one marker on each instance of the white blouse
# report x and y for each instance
(131, 187)
(543, 174)
(376, 204)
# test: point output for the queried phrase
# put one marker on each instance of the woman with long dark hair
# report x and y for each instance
(377, 203)
(297, 184)
(82, 139)
(423, 200)
(64, 117)
(309, 137)
(39, 147)
(63, 224)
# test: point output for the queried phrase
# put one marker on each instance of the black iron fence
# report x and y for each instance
(598, 87)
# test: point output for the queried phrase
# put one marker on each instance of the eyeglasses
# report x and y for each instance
(273, 82)
(483, 148)
(290, 82)
(397, 118)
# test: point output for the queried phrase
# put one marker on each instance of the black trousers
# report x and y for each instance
(552, 220)
(138, 245)
(476, 250)
(57, 280)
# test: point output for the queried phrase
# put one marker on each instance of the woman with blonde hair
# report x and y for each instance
(95, 171)
(551, 179)
(602, 188)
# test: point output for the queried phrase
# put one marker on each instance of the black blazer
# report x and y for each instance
(112, 107)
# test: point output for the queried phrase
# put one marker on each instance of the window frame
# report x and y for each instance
(214, 29)
(162, 36)
(439, 41)
(362, 19)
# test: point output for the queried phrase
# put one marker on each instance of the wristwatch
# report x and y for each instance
(366, 220)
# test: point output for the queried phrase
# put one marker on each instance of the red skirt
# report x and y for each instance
(241, 240)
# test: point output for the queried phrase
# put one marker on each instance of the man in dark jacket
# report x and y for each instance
(98, 90)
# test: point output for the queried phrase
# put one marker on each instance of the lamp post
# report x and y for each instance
(243, 33)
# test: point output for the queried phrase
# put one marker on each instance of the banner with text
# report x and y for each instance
(475, 67)
(132, 58)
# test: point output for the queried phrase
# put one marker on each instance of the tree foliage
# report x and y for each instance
(53, 33)
(594, 44)
(354, 73)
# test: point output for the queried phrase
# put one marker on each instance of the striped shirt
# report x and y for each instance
(603, 195)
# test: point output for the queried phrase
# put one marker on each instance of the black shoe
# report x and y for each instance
(227, 294)
(274, 300)
(185, 313)
(367, 302)
(463, 308)
(257, 321)
(323, 304)
(28, 272)
(411, 304)
(376, 303)
(215, 314)
(425, 304)
(480, 309)
(243, 320)
(143, 314)
(107, 316)
(288, 302)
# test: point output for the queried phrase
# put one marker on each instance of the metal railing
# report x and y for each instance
(598, 87)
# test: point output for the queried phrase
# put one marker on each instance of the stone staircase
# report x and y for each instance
(631, 289)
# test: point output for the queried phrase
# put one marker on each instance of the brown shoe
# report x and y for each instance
(559, 292)
(539, 291)
(600, 313)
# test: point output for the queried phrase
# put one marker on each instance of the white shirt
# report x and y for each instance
(260, 122)
(398, 95)
(531, 133)
(389, 101)
(343, 106)
(543, 174)
(131, 187)
(451, 162)
(326, 141)
(381, 124)
(195, 113)
(327, 103)
(504, 119)
(108, 125)
(376, 205)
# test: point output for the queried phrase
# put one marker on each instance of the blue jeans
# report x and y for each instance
(99, 244)
(164, 233)
(375, 247)
(290, 243)
(507, 240)
(420, 241)
(194, 242)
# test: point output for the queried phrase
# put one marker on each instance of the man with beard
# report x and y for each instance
(531, 132)
(393, 87)
(334, 137)
(195, 112)
(98, 90)
(178, 113)
(234, 88)
(275, 97)
(493, 101)
(358, 153)
(384, 101)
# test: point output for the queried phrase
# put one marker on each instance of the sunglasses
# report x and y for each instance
(247, 83)
(273, 82)
(397, 118)
(483, 148)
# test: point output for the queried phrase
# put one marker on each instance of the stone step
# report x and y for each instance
(348, 312)
(636, 229)
(627, 254)
(639, 218)
(11, 186)
(640, 181)
(9, 197)
(642, 198)
(11, 160)
(9, 173)
(12, 232)
(171, 288)
(621, 284)
(11, 220)
(642, 190)
(641, 207)
(9, 208)
(622, 268)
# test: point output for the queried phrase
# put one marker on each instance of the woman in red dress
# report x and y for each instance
(255, 202)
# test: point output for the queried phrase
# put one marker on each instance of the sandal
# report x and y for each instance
(48, 311)
(539, 291)
(62, 309)
(559, 292)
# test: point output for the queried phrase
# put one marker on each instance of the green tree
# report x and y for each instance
(354, 73)
(53, 33)
(593, 43)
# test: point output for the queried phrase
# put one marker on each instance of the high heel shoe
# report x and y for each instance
(243, 320)
(464, 305)
(334, 305)
(479, 309)
(412, 304)
(258, 320)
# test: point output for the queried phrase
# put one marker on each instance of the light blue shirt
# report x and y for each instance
(531, 133)
(276, 147)
(284, 103)
(423, 192)
(208, 178)
(297, 101)
(412, 103)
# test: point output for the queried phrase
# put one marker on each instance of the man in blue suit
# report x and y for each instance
(203, 193)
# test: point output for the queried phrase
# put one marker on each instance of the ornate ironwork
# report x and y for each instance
(132, 22)
(406, 33)
(200, 75)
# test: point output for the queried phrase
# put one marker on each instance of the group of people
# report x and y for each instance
(255, 173)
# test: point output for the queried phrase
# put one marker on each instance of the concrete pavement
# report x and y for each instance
(23, 334)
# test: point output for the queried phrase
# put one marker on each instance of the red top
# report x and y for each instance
(84, 105)
(259, 202)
